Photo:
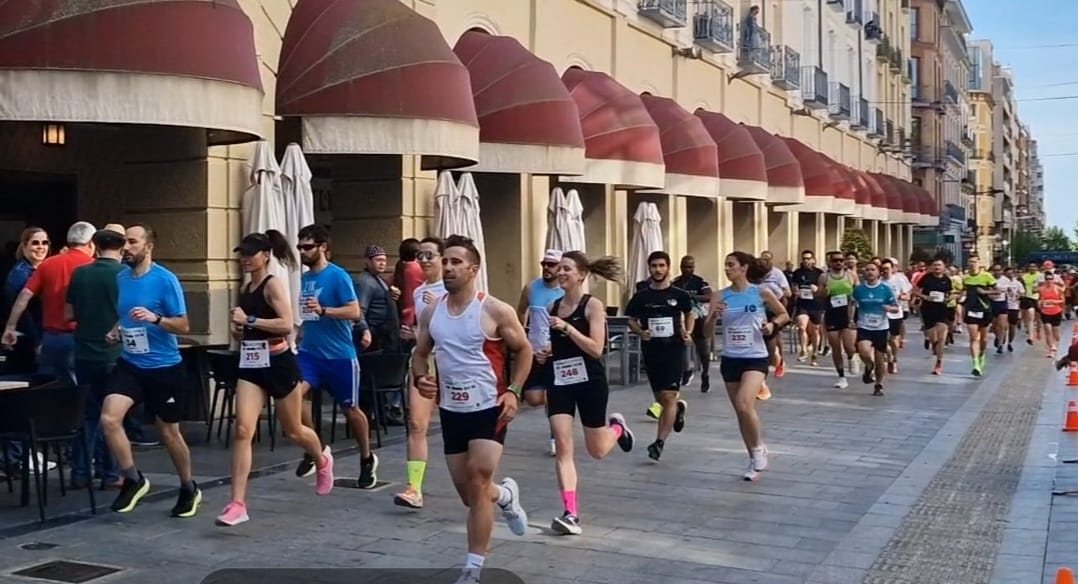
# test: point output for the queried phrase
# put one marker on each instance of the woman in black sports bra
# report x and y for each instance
(577, 340)
(267, 367)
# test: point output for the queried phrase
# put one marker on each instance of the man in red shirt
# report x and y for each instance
(50, 282)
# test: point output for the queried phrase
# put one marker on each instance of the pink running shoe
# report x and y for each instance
(323, 482)
(234, 514)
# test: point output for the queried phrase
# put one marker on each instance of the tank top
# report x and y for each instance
(540, 296)
(471, 366)
(1052, 298)
(572, 366)
(1030, 281)
(253, 303)
(839, 291)
(742, 324)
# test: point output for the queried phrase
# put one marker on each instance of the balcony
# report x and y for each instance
(927, 157)
(754, 58)
(983, 154)
(889, 137)
(950, 94)
(837, 5)
(668, 13)
(855, 13)
(898, 63)
(883, 49)
(906, 5)
(859, 118)
(814, 87)
(876, 126)
(838, 107)
(713, 26)
(900, 139)
(785, 67)
(967, 137)
(954, 152)
(873, 32)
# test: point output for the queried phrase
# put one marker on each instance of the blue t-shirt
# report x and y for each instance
(540, 297)
(743, 324)
(872, 303)
(328, 338)
(147, 345)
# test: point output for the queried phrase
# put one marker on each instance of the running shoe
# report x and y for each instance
(877, 390)
(869, 375)
(323, 482)
(567, 524)
(130, 494)
(1010, 348)
(513, 512)
(306, 467)
(687, 377)
(654, 411)
(234, 514)
(751, 474)
(368, 472)
(679, 421)
(842, 383)
(705, 382)
(780, 371)
(655, 450)
(410, 498)
(999, 349)
(938, 369)
(765, 392)
(626, 440)
(927, 345)
(759, 458)
(468, 576)
(187, 502)
(552, 450)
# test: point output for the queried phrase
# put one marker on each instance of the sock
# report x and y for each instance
(474, 561)
(131, 473)
(188, 486)
(617, 429)
(841, 371)
(504, 496)
(416, 468)
(568, 499)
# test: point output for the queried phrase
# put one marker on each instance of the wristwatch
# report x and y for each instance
(515, 390)
(158, 321)
(251, 320)
(322, 311)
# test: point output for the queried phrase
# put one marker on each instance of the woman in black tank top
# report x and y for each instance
(577, 340)
(262, 323)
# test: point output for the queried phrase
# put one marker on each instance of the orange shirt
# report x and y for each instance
(1051, 299)
(50, 282)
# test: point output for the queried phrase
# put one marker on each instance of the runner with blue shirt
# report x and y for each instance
(872, 302)
(152, 312)
(532, 310)
(327, 354)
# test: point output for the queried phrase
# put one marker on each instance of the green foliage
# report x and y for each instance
(920, 254)
(1023, 244)
(1055, 239)
(856, 241)
(945, 254)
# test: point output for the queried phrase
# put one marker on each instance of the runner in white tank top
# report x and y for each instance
(471, 332)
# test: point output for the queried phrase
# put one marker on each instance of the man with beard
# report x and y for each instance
(536, 297)
(327, 355)
(700, 291)
(807, 311)
(661, 315)
(936, 290)
(779, 284)
(152, 312)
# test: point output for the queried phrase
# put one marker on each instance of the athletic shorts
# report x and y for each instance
(163, 391)
(1026, 303)
(279, 379)
(340, 377)
(732, 368)
(934, 314)
(836, 319)
(1013, 316)
(999, 309)
(894, 327)
(460, 428)
(540, 376)
(589, 398)
(811, 310)
(971, 319)
(1052, 320)
(877, 338)
(665, 365)
(951, 314)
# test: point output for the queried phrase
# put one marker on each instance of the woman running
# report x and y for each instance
(872, 301)
(1050, 307)
(577, 339)
(420, 408)
(745, 357)
(267, 368)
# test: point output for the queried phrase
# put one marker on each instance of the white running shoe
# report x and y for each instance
(751, 472)
(759, 458)
(513, 512)
(553, 450)
(842, 383)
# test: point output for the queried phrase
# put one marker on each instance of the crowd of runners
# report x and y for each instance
(477, 360)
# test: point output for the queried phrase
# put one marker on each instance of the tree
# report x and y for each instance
(920, 255)
(856, 241)
(945, 254)
(1055, 239)
(1023, 244)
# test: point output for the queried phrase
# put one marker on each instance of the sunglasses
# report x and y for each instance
(39, 242)
(307, 246)
(424, 256)
(549, 264)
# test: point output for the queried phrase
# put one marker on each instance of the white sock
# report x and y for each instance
(473, 562)
(504, 496)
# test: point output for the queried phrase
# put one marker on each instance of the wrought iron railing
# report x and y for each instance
(785, 67)
(839, 104)
(668, 13)
(713, 25)
(814, 86)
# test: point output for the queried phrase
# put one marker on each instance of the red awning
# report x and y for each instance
(376, 77)
(181, 63)
(818, 177)
(691, 156)
(845, 196)
(741, 163)
(784, 183)
(527, 121)
(861, 195)
(911, 202)
(895, 199)
(880, 207)
(621, 141)
(929, 207)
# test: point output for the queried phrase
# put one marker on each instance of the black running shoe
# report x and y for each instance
(567, 524)
(130, 493)
(187, 502)
(869, 375)
(655, 450)
(679, 421)
(878, 389)
(686, 377)
(705, 382)
(306, 466)
(626, 440)
(368, 472)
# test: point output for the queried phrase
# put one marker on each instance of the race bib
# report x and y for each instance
(254, 354)
(805, 294)
(135, 340)
(661, 328)
(896, 315)
(936, 296)
(462, 395)
(839, 301)
(975, 315)
(305, 312)
(873, 321)
(739, 337)
(570, 371)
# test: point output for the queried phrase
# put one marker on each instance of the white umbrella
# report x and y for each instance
(298, 208)
(577, 234)
(564, 230)
(263, 203)
(447, 202)
(647, 238)
(471, 226)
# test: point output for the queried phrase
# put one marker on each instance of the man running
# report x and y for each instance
(977, 312)
(807, 310)
(901, 287)
(1013, 291)
(700, 291)
(662, 317)
(152, 312)
(935, 290)
(472, 332)
(535, 299)
(872, 301)
(998, 296)
(1031, 280)
(835, 289)
(779, 284)
(327, 354)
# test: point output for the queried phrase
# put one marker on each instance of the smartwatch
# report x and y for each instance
(158, 321)
(322, 311)
(251, 321)
(515, 390)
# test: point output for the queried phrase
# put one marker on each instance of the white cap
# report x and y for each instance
(551, 255)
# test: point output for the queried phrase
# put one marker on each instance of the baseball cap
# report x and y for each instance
(253, 243)
(1048, 264)
(551, 256)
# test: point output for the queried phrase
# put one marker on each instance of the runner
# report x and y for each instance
(868, 313)
(662, 316)
(998, 296)
(700, 291)
(469, 334)
(744, 306)
(779, 284)
(901, 287)
(578, 337)
(954, 304)
(152, 312)
(835, 289)
(1028, 304)
(535, 299)
(1050, 307)
(807, 310)
(419, 407)
(327, 354)
(935, 290)
(977, 314)
(267, 368)
(1013, 291)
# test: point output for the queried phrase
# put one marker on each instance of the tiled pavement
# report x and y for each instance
(847, 468)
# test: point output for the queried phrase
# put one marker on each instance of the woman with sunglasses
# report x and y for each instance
(32, 250)
(420, 408)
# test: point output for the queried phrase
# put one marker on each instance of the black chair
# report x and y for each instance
(224, 367)
(50, 412)
(382, 374)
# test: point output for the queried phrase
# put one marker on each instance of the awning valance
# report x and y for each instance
(818, 177)
(785, 186)
(690, 155)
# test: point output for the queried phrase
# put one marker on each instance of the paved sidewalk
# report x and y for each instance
(847, 468)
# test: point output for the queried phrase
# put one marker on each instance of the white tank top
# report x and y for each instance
(471, 366)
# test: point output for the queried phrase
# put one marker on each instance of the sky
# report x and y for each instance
(1023, 34)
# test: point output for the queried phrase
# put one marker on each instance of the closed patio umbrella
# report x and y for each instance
(647, 238)
(577, 235)
(447, 203)
(298, 208)
(471, 225)
(263, 206)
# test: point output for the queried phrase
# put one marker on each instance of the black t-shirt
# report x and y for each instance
(939, 284)
(659, 311)
(804, 279)
(694, 284)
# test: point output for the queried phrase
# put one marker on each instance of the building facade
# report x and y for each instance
(983, 159)
(831, 76)
(1032, 217)
(1006, 147)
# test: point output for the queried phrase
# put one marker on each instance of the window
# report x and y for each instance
(915, 131)
(915, 76)
(915, 28)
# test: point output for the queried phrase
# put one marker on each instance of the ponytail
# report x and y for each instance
(606, 267)
(281, 249)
